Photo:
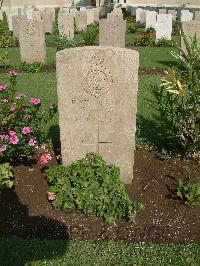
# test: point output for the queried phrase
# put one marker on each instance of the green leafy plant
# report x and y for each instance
(130, 28)
(34, 67)
(179, 97)
(176, 28)
(6, 39)
(146, 38)
(188, 191)
(3, 59)
(90, 34)
(63, 43)
(92, 186)
(165, 155)
(163, 42)
(22, 122)
(130, 19)
(6, 176)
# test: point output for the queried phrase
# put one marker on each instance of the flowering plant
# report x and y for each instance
(146, 38)
(21, 122)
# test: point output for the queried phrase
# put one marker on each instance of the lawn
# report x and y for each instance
(57, 253)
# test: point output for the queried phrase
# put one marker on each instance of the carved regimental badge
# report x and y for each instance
(98, 79)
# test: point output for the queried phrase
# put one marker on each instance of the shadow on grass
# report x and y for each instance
(168, 63)
(16, 227)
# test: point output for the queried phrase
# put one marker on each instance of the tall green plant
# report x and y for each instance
(179, 96)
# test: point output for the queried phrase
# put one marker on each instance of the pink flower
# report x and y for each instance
(12, 108)
(3, 148)
(2, 86)
(45, 158)
(52, 106)
(32, 142)
(13, 73)
(51, 196)
(12, 133)
(19, 96)
(4, 100)
(14, 139)
(4, 137)
(27, 117)
(26, 130)
(35, 101)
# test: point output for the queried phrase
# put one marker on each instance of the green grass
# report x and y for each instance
(76, 253)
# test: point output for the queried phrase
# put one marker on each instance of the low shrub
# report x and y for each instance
(163, 42)
(130, 19)
(3, 59)
(63, 43)
(90, 34)
(6, 176)
(176, 28)
(188, 191)
(23, 125)
(34, 67)
(146, 38)
(179, 98)
(92, 186)
(130, 28)
(6, 39)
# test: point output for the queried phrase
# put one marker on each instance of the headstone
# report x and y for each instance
(151, 19)
(186, 15)
(47, 17)
(143, 17)
(83, 8)
(197, 15)
(190, 29)
(139, 11)
(19, 12)
(162, 11)
(1, 15)
(32, 41)
(97, 101)
(164, 26)
(96, 14)
(90, 16)
(81, 20)
(11, 12)
(73, 11)
(173, 13)
(29, 12)
(36, 16)
(112, 31)
(66, 25)
(51, 10)
(16, 24)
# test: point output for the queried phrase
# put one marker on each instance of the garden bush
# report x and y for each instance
(90, 34)
(130, 28)
(189, 190)
(92, 186)
(146, 38)
(176, 28)
(6, 176)
(63, 43)
(179, 97)
(3, 59)
(130, 19)
(22, 123)
(6, 39)
(34, 67)
(163, 42)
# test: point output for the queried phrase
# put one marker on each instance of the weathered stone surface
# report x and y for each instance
(140, 15)
(90, 16)
(66, 25)
(97, 100)
(81, 20)
(32, 41)
(1, 15)
(151, 19)
(197, 15)
(29, 12)
(162, 11)
(96, 14)
(190, 29)
(16, 25)
(186, 15)
(112, 31)
(164, 26)
(47, 17)
(10, 13)
(36, 16)
(173, 13)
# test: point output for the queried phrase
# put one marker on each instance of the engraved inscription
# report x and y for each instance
(98, 79)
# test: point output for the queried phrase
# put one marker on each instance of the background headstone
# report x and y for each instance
(190, 29)
(173, 13)
(186, 15)
(32, 41)
(36, 16)
(112, 31)
(151, 17)
(66, 25)
(97, 101)
(162, 11)
(90, 16)
(164, 26)
(197, 15)
(81, 20)
(47, 17)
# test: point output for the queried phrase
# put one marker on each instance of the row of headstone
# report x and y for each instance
(190, 29)
(112, 30)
